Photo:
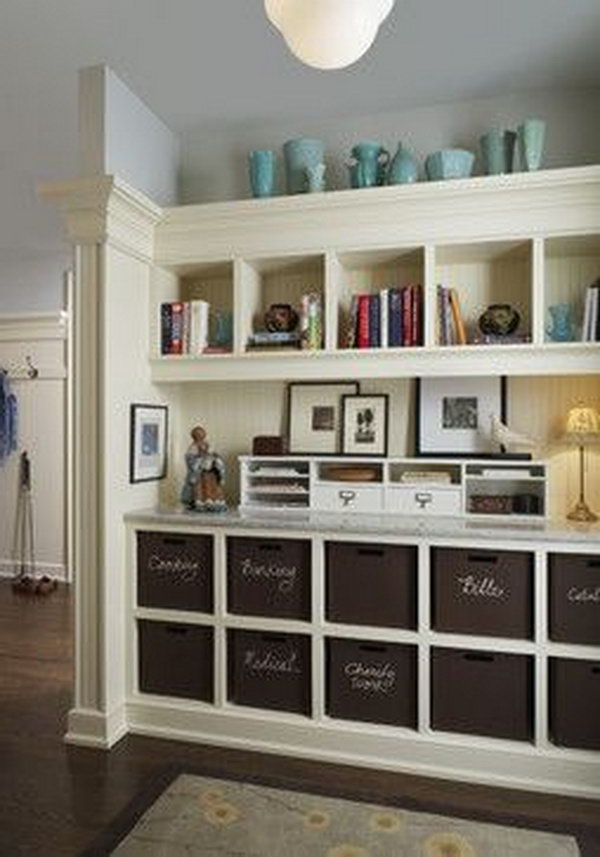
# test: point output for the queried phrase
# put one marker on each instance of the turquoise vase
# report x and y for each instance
(403, 168)
(497, 148)
(368, 164)
(531, 136)
(561, 327)
(262, 172)
(303, 157)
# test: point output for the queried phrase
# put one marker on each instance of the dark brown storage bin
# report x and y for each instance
(176, 659)
(372, 681)
(482, 693)
(371, 584)
(175, 570)
(270, 670)
(482, 592)
(575, 703)
(269, 577)
(574, 598)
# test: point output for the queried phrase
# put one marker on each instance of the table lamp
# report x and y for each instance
(582, 429)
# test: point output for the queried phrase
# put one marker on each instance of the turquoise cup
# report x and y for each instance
(262, 164)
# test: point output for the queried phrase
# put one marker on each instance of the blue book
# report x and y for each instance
(395, 318)
(374, 322)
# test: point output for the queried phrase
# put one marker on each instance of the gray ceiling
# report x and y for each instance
(214, 62)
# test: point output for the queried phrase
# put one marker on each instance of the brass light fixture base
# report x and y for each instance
(582, 513)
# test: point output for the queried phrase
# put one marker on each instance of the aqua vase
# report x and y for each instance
(262, 172)
(561, 327)
(497, 148)
(531, 135)
(302, 158)
(403, 168)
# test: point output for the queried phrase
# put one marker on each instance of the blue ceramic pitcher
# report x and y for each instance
(561, 327)
(368, 164)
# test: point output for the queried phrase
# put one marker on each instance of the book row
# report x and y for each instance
(390, 318)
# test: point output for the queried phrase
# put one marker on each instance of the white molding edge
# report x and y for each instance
(57, 571)
(450, 757)
(90, 728)
(32, 327)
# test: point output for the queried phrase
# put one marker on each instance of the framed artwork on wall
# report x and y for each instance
(314, 416)
(148, 443)
(365, 425)
(454, 415)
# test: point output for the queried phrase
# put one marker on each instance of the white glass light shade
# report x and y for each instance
(583, 426)
(328, 34)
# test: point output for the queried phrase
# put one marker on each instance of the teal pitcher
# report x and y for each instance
(403, 168)
(367, 164)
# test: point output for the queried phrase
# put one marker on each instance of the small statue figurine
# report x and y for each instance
(203, 487)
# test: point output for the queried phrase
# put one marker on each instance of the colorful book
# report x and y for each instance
(199, 310)
(165, 327)
(383, 318)
(395, 337)
(407, 316)
(459, 328)
(176, 346)
(362, 327)
(374, 321)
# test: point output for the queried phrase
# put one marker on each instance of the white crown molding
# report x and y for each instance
(33, 327)
(105, 209)
(383, 216)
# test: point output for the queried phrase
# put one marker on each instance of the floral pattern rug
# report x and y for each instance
(207, 817)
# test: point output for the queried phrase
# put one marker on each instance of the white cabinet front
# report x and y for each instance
(348, 498)
(424, 500)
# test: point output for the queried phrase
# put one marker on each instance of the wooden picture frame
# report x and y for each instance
(365, 425)
(149, 428)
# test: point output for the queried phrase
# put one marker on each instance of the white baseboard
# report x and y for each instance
(91, 728)
(461, 758)
(53, 570)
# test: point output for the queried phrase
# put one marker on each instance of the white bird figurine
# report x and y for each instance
(506, 438)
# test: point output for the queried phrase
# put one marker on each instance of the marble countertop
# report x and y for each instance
(376, 525)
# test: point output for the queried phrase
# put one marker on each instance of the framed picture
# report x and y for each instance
(148, 445)
(365, 425)
(454, 415)
(314, 416)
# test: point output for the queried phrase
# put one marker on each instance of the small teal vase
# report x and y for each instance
(560, 328)
(368, 164)
(403, 168)
(531, 135)
(262, 172)
(497, 148)
(303, 157)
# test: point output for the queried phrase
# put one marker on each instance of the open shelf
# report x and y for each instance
(571, 265)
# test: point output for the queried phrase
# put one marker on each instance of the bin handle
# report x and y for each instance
(174, 540)
(267, 546)
(481, 557)
(176, 629)
(369, 647)
(370, 551)
(478, 656)
(273, 638)
(593, 563)
(596, 670)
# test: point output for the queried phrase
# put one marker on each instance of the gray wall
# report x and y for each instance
(214, 163)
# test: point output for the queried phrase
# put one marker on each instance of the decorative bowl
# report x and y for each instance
(449, 164)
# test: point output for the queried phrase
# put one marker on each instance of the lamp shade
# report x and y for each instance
(328, 34)
(583, 425)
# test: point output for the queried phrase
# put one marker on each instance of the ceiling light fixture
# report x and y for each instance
(328, 34)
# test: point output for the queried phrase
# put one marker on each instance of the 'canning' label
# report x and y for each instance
(584, 596)
(178, 569)
(482, 587)
(373, 678)
(272, 663)
(283, 575)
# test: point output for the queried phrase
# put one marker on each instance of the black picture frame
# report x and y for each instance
(300, 430)
(495, 384)
(148, 440)
(348, 447)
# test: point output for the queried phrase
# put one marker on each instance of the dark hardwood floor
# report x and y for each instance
(55, 799)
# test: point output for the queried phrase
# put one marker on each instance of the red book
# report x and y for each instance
(363, 327)
(407, 339)
(177, 310)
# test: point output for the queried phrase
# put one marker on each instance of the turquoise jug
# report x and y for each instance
(403, 168)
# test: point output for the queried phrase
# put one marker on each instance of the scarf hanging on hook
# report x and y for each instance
(8, 418)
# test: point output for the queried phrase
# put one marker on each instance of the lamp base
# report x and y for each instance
(582, 513)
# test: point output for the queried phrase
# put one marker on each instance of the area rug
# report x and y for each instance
(211, 817)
